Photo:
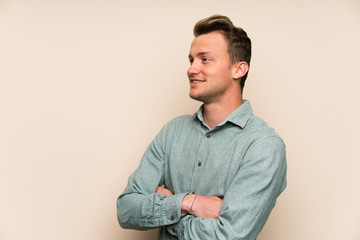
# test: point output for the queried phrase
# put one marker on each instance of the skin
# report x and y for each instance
(214, 80)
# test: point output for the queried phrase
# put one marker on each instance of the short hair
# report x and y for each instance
(239, 44)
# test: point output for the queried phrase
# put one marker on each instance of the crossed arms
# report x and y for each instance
(241, 213)
(205, 206)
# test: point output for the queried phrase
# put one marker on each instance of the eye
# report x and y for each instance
(191, 60)
(205, 59)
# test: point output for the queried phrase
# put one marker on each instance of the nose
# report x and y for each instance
(193, 69)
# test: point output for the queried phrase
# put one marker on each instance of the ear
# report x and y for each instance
(240, 69)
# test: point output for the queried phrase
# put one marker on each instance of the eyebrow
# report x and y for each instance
(200, 54)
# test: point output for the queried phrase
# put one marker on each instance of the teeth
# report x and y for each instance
(196, 81)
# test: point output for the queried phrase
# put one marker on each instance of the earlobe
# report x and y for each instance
(241, 68)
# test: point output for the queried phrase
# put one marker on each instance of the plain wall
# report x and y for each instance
(86, 85)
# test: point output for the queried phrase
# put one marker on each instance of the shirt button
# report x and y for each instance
(173, 229)
(199, 164)
(208, 136)
(172, 218)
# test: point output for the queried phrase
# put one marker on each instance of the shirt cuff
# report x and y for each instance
(177, 229)
(171, 209)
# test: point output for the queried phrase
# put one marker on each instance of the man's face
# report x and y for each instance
(211, 72)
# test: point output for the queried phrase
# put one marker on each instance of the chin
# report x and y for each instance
(198, 98)
(195, 97)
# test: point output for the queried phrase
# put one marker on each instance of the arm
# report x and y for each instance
(139, 206)
(206, 206)
(201, 206)
(249, 199)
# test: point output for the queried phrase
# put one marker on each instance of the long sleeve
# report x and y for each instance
(249, 199)
(139, 207)
(241, 160)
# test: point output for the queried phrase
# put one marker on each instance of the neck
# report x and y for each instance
(216, 112)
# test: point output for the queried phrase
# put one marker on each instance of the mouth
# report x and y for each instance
(196, 82)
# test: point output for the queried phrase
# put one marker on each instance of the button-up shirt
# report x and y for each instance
(242, 161)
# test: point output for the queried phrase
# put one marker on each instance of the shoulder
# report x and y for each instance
(180, 120)
(264, 145)
(259, 131)
(178, 123)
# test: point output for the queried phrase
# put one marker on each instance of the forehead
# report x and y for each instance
(213, 42)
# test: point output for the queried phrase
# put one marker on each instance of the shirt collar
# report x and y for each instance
(239, 116)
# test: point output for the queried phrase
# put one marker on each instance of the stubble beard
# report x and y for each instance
(208, 96)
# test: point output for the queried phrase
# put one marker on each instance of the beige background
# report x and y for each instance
(86, 85)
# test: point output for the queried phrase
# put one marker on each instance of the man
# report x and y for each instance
(215, 174)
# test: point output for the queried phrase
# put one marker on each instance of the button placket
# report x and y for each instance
(198, 160)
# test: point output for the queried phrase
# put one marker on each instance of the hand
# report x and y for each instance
(162, 190)
(202, 206)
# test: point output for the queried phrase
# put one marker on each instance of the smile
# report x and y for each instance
(194, 83)
(193, 80)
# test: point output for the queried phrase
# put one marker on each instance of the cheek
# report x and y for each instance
(211, 71)
(224, 73)
(220, 72)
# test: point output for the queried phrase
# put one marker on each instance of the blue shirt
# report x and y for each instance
(242, 160)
